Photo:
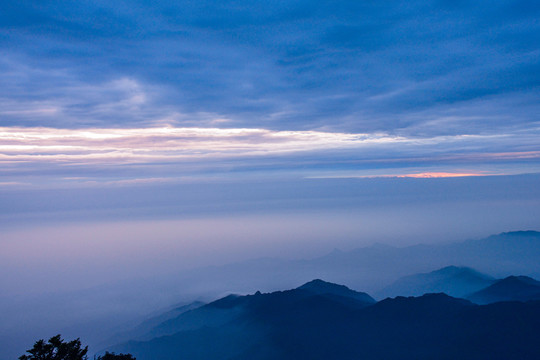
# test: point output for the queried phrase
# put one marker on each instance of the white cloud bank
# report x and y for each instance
(169, 143)
(141, 155)
(144, 145)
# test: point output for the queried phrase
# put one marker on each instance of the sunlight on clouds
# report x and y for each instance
(156, 152)
(417, 175)
(169, 143)
(428, 175)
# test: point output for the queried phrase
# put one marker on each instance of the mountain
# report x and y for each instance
(452, 280)
(369, 268)
(171, 314)
(512, 288)
(98, 312)
(303, 324)
(230, 307)
(141, 331)
(320, 287)
(241, 315)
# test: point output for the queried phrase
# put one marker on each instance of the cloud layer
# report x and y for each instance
(420, 68)
(146, 155)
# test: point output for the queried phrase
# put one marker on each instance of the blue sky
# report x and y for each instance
(412, 68)
(154, 110)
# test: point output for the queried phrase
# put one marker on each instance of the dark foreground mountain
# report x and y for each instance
(512, 288)
(310, 323)
(452, 280)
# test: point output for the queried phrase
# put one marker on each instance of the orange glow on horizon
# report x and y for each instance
(428, 175)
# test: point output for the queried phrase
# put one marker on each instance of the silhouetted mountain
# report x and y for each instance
(299, 324)
(321, 287)
(512, 288)
(452, 280)
(230, 307)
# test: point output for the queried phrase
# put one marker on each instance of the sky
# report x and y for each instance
(322, 123)
(140, 139)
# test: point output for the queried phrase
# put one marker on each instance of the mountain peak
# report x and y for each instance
(461, 271)
(453, 280)
(511, 288)
(321, 287)
(525, 280)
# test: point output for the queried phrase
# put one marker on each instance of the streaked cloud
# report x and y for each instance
(168, 144)
(424, 175)
(138, 156)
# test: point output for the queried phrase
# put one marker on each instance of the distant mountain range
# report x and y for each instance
(499, 255)
(375, 267)
(320, 320)
(95, 314)
(512, 288)
(452, 280)
(463, 282)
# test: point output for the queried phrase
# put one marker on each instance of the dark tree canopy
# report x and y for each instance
(113, 356)
(56, 349)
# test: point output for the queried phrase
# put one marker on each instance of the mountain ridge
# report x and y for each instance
(511, 288)
(457, 281)
(293, 324)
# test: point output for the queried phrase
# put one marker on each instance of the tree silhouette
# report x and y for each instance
(113, 356)
(56, 349)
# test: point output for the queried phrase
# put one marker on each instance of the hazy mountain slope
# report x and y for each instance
(371, 268)
(231, 307)
(141, 331)
(98, 312)
(243, 321)
(152, 322)
(512, 288)
(297, 325)
(207, 315)
(452, 280)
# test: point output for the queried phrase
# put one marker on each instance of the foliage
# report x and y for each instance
(113, 356)
(56, 349)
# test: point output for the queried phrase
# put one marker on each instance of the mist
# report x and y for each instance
(139, 232)
(90, 262)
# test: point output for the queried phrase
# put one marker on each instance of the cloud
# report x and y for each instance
(127, 156)
(169, 143)
(347, 66)
(198, 88)
(424, 175)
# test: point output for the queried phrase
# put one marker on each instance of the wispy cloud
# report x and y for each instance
(142, 145)
(146, 155)
(169, 143)
(422, 175)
